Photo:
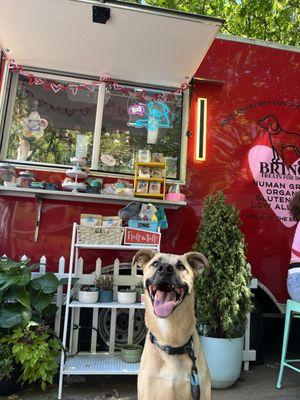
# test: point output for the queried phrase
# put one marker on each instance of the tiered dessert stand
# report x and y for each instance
(76, 173)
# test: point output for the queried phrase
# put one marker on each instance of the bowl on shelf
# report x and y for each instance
(10, 184)
(175, 196)
(131, 353)
(37, 185)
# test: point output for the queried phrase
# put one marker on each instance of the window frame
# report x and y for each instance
(7, 101)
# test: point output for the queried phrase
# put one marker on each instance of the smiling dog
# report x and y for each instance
(173, 357)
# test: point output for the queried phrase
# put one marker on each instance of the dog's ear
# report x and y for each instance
(197, 261)
(143, 256)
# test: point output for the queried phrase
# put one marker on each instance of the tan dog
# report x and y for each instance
(170, 318)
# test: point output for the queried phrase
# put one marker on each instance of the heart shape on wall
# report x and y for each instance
(275, 187)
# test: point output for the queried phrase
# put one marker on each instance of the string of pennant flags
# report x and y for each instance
(56, 87)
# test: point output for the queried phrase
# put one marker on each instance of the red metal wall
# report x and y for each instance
(256, 82)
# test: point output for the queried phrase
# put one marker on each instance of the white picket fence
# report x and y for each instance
(83, 279)
(119, 280)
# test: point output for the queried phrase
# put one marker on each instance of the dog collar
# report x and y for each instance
(185, 349)
(172, 351)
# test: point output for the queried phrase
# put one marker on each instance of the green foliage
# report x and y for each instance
(7, 363)
(272, 20)
(104, 282)
(23, 299)
(36, 350)
(223, 297)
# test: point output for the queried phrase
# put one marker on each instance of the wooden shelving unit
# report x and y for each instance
(150, 180)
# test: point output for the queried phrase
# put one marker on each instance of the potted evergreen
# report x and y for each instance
(105, 285)
(223, 296)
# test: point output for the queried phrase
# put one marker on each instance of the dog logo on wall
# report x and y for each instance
(281, 140)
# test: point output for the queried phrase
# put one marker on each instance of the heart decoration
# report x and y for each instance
(56, 87)
(31, 80)
(38, 81)
(73, 88)
(69, 111)
(274, 186)
(117, 86)
(84, 111)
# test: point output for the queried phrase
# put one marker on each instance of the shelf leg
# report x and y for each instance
(74, 333)
(112, 336)
(94, 331)
(130, 325)
(64, 339)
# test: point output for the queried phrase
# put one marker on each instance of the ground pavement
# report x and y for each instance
(257, 384)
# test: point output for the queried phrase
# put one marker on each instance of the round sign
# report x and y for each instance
(108, 160)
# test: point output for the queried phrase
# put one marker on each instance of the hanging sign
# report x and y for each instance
(139, 236)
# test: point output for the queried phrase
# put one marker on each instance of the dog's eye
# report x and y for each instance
(180, 266)
(155, 264)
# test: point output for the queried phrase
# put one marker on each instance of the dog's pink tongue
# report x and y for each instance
(164, 303)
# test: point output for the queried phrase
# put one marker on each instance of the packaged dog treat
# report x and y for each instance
(90, 220)
(157, 157)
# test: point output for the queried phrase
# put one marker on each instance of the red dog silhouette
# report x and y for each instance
(280, 139)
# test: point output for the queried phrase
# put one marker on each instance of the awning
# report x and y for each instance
(137, 44)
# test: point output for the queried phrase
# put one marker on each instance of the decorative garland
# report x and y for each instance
(56, 87)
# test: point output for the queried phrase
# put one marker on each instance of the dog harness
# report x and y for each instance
(188, 349)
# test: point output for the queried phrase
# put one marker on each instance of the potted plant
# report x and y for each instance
(88, 294)
(9, 371)
(223, 296)
(22, 298)
(24, 304)
(140, 292)
(126, 296)
(36, 349)
(105, 285)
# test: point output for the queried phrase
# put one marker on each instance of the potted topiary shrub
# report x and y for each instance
(105, 285)
(9, 371)
(223, 296)
(88, 294)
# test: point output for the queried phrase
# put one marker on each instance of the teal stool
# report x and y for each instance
(292, 311)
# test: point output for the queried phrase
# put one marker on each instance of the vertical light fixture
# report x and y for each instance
(200, 151)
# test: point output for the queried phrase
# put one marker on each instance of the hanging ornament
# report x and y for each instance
(34, 125)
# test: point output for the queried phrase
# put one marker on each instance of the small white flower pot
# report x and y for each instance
(88, 297)
(126, 297)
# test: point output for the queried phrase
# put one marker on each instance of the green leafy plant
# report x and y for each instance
(223, 297)
(104, 282)
(23, 299)
(35, 348)
(88, 288)
(140, 288)
(7, 362)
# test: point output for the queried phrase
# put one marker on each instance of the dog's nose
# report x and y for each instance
(165, 269)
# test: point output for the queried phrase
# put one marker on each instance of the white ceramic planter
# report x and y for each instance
(88, 297)
(224, 358)
(126, 297)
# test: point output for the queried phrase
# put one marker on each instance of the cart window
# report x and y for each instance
(137, 119)
(46, 124)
